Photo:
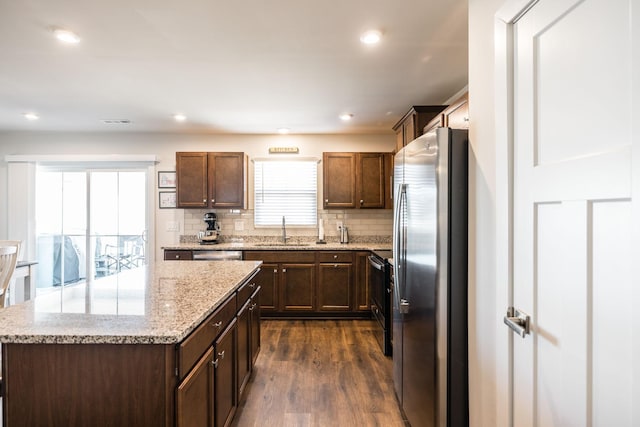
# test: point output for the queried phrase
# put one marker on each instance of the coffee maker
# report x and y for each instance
(210, 235)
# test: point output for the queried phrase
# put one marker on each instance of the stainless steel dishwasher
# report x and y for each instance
(216, 255)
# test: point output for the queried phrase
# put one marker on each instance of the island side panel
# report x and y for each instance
(88, 384)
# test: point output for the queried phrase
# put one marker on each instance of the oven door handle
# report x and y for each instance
(375, 264)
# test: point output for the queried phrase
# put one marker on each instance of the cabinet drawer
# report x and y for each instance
(335, 257)
(202, 338)
(178, 255)
(281, 256)
(246, 290)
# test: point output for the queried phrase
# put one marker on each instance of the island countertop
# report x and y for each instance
(159, 304)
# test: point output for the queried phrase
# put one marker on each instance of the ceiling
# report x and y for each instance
(238, 66)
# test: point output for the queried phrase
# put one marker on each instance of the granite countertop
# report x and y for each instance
(274, 246)
(158, 304)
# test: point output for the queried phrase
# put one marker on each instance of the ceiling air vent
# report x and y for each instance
(116, 122)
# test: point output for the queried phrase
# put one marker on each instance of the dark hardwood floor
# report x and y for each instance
(319, 373)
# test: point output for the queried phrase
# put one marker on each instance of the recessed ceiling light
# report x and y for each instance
(284, 131)
(371, 37)
(31, 116)
(179, 117)
(346, 117)
(66, 36)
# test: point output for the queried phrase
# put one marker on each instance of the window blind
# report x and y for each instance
(285, 188)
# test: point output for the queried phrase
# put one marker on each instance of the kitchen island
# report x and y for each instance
(129, 349)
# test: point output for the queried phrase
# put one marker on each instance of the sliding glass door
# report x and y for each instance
(89, 224)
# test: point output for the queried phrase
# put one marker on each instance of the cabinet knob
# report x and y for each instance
(326, 200)
(335, 257)
(284, 270)
(335, 265)
(252, 285)
(361, 202)
(204, 200)
(177, 256)
(214, 363)
(218, 324)
(213, 200)
(275, 270)
(221, 354)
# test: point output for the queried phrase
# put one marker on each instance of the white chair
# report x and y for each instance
(9, 251)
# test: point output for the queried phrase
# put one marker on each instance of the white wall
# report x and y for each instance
(164, 146)
(482, 274)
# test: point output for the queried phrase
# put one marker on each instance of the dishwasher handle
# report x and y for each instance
(217, 255)
(375, 263)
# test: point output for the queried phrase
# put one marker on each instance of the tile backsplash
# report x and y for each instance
(239, 223)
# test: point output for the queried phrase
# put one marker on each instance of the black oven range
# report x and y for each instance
(380, 291)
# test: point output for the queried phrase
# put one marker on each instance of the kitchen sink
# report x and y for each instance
(282, 244)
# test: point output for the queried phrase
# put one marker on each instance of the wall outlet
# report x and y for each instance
(173, 226)
(339, 225)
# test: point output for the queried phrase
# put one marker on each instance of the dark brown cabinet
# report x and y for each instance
(178, 255)
(362, 281)
(411, 125)
(335, 278)
(325, 284)
(248, 335)
(268, 278)
(339, 180)
(287, 279)
(455, 116)
(225, 392)
(211, 180)
(357, 180)
(297, 287)
(194, 398)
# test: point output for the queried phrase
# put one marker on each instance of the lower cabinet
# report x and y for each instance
(194, 398)
(248, 339)
(321, 284)
(224, 377)
(229, 340)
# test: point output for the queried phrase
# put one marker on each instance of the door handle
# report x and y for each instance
(518, 321)
(404, 306)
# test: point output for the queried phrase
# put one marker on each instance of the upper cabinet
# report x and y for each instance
(411, 125)
(357, 180)
(211, 180)
(455, 116)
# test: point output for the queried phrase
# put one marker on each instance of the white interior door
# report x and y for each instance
(573, 220)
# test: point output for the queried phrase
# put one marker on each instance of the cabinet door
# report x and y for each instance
(334, 287)
(191, 180)
(371, 180)
(243, 350)
(362, 282)
(226, 180)
(339, 175)
(409, 129)
(194, 397)
(297, 287)
(226, 401)
(457, 115)
(268, 279)
(255, 326)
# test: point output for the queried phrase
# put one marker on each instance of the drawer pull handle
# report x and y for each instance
(252, 285)
(218, 324)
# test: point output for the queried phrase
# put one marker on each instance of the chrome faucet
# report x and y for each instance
(284, 231)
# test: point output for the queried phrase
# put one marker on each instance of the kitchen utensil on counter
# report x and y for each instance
(344, 234)
(210, 235)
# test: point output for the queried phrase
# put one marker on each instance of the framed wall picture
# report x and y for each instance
(166, 179)
(167, 199)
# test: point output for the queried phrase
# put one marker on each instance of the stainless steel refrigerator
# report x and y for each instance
(430, 353)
